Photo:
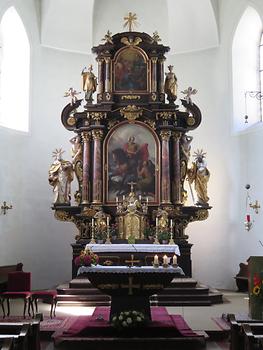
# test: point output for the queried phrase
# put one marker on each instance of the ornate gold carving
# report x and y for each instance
(85, 136)
(62, 215)
(90, 212)
(154, 59)
(156, 37)
(165, 135)
(107, 60)
(165, 115)
(97, 134)
(176, 135)
(190, 120)
(108, 96)
(130, 21)
(111, 123)
(131, 97)
(130, 41)
(154, 96)
(151, 123)
(202, 214)
(131, 112)
(97, 115)
(108, 38)
(71, 121)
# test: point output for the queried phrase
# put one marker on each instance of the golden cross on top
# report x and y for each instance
(132, 261)
(130, 21)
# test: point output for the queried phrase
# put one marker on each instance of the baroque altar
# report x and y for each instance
(131, 151)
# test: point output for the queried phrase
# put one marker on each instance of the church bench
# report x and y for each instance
(4, 271)
(32, 334)
(237, 335)
(253, 336)
(6, 344)
(19, 333)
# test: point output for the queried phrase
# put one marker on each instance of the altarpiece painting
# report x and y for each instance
(132, 156)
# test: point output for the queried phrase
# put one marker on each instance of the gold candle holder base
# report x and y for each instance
(171, 242)
(165, 265)
(92, 241)
(155, 265)
(108, 241)
(156, 241)
(174, 265)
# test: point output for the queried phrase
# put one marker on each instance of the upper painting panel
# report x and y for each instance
(130, 71)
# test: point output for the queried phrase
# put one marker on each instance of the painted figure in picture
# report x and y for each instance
(130, 71)
(130, 160)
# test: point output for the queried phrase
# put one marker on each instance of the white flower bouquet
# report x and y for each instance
(128, 319)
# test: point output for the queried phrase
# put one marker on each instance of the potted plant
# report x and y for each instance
(149, 233)
(164, 236)
(86, 258)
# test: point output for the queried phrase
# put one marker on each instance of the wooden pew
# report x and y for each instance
(19, 334)
(7, 344)
(253, 334)
(237, 334)
(12, 329)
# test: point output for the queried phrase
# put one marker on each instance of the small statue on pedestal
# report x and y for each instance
(199, 174)
(60, 176)
(170, 85)
(89, 83)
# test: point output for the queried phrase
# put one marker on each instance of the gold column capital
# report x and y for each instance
(154, 59)
(165, 135)
(97, 134)
(107, 59)
(85, 136)
(176, 135)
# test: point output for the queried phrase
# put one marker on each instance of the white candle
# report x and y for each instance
(140, 197)
(156, 260)
(165, 260)
(117, 200)
(108, 221)
(156, 221)
(171, 223)
(92, 222)
(123, 197)
(174, 259)
(147, 200)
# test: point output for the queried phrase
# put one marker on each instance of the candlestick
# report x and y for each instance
(174, 260)
(92, 241)
(117, 199)
(123, 197)
(156, 241)
(140, 197)
(171, 223)
(147, 200)
(171, 241)
(108, 232)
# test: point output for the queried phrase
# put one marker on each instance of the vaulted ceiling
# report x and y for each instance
(184, 25)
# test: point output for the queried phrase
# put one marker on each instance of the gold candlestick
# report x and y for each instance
(108, 233)
(156, 241)
(171, 242)
(92, 241)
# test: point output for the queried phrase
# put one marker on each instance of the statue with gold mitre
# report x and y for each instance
(89, 83)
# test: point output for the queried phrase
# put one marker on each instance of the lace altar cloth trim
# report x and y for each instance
(130, 270)
(134, 248)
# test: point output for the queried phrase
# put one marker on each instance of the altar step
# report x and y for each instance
(181, 292)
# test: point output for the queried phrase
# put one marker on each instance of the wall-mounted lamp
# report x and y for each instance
(248, 223)
(253, 94)
(5, 207)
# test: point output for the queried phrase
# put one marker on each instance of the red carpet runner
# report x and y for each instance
(162, 324)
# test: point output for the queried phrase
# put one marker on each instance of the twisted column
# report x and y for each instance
(176, 168)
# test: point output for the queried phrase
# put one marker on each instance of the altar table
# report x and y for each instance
(130, 287)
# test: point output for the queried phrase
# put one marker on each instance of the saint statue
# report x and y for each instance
(89, 83)
(199, 174)
(170, 85)
(186, 145)
(76, 150)
(60, 176)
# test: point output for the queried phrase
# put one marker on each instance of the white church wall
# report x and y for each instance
(30, 233)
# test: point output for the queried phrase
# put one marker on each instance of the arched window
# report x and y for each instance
(246, 70)
(14, 72)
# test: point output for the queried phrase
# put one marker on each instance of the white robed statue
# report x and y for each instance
(60, 176)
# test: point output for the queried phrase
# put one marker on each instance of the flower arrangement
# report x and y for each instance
(257, 285)
(86, 258)
(164, 236)
(128, 319)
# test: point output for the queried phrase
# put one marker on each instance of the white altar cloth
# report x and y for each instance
(134, 248)
(129, 270)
